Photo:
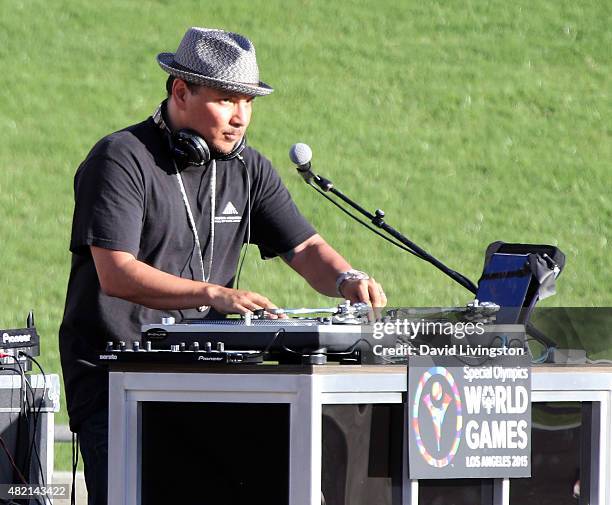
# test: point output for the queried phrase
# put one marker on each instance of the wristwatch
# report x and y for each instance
(351, 275)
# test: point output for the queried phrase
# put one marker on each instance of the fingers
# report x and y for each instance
(362, 292)
(377, 295)
(234, 301)
(366, 291)
(263, 303)
(248, 301)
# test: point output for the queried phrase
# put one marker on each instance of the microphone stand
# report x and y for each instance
(377, 220)
(327, 186)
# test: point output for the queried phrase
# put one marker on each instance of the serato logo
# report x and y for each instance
(437, 419)
(229, 214)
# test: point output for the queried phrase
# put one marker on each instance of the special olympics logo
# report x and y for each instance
(432, 394)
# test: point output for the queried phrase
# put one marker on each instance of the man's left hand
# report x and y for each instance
(366, 291)
(316, 261)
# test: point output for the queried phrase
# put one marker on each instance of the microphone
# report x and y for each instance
(301, 154)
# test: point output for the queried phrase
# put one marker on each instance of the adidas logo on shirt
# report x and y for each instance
(229, 209)
(229, 214)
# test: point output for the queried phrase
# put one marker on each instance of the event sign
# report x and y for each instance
(467, 417)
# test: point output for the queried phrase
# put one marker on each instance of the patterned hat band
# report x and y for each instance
(218, 59)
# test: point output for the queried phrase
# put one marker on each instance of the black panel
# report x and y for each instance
(213, 453)
(362, 454)
(456, 492)
(555, 460)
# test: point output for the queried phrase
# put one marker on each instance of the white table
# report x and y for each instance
(306, 389)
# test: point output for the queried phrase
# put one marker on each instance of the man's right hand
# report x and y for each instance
(123, 276)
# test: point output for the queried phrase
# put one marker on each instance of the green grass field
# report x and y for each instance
(467, 122)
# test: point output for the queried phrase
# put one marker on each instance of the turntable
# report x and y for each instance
(330, 331)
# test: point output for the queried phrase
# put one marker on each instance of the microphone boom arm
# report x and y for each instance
(377, 219)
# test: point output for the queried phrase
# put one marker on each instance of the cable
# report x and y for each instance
(599, 361)
(21, 406)
(12, 461)
(411, 247)
(31, 404)
(75, 463)
(24, 402)
(347, 352)
(24, 409)
(37, 415)
(15, 371)
(33, 447)
(22, 387)
(276, 335)
(361, 221)
(246, 250)
(248, 241)
(22, 419)
(543, 358)
(505, 343)
(31, 407)
(385, 359)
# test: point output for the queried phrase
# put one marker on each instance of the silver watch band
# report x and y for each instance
(350, 275)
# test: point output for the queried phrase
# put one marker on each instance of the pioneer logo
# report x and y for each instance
(15, 339)
(210, 358)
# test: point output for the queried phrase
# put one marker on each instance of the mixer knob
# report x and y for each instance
(168, 320)
(174, 348)
(208, 347)
(220, 346)
(182, 346)
(148, 345)
(109, 346)
(136, 346)
(195, 346)
(122, 345)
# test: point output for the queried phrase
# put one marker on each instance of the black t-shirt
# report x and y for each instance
(127, 198)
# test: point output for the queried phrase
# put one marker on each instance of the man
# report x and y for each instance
(162, 210)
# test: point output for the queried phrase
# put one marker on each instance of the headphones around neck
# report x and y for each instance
(190, 149)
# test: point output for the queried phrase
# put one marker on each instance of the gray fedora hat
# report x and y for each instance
(217, 59)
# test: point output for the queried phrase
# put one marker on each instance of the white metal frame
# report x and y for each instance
(306, 393)
(47, 419)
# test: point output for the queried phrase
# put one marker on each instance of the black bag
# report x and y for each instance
(538, 273)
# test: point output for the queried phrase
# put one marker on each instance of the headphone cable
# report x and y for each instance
(248, 240)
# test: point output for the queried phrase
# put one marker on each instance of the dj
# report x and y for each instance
(162, 210)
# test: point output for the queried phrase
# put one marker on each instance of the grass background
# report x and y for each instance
(467, 122)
